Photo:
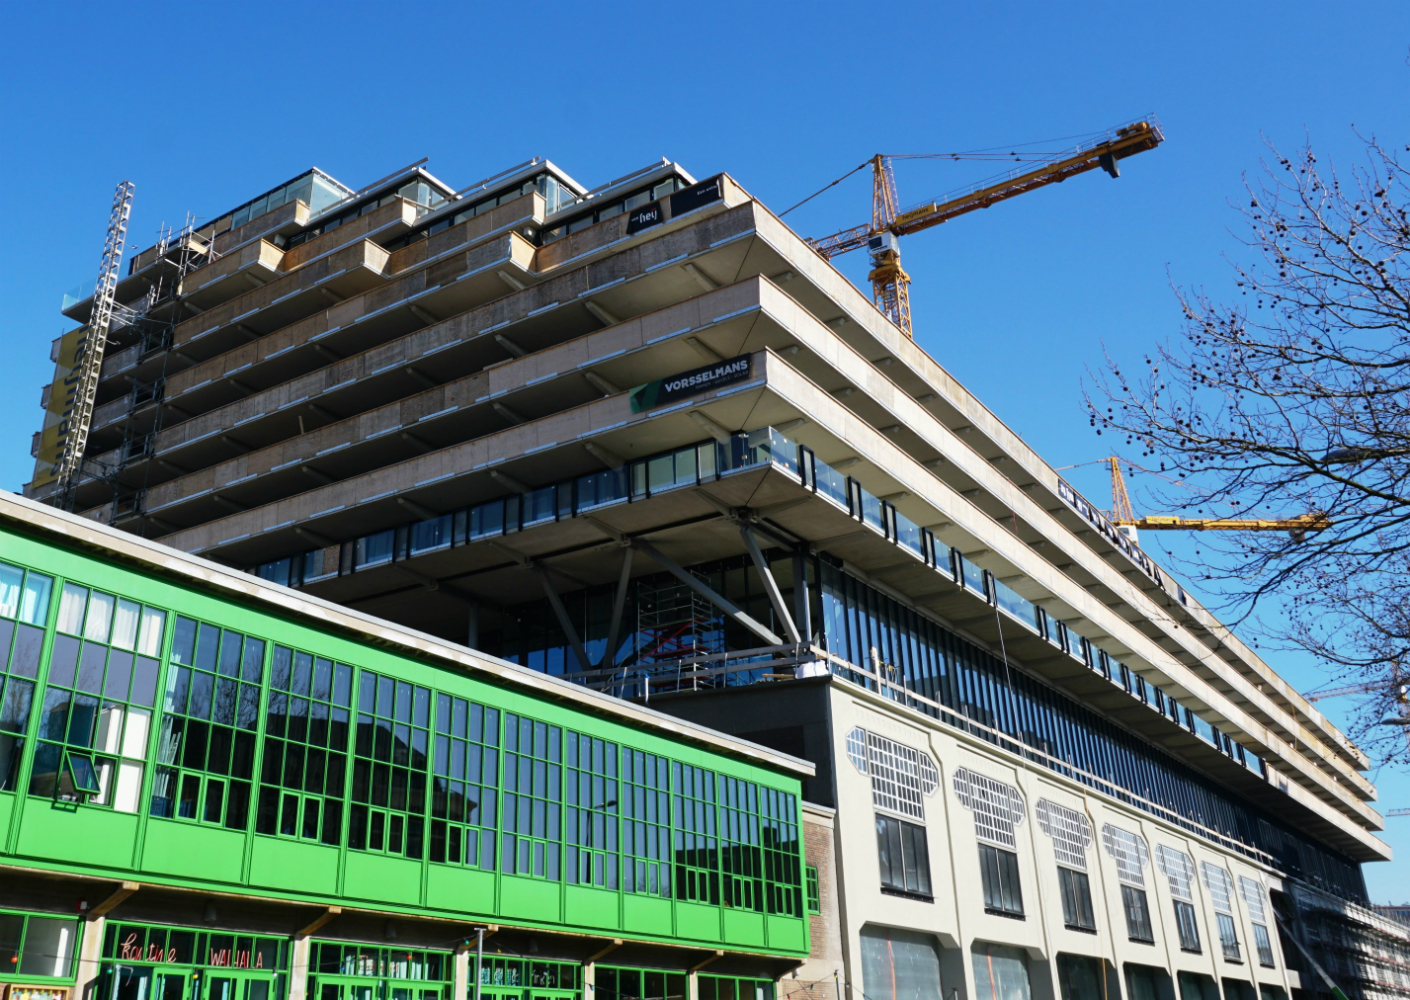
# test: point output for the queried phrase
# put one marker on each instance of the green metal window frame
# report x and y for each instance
(343, 970)
(591, 802)
(646, 823)
(812, 890)
(712, 987)
(741, 856)
(307, 737)
(172, 601)
(209, 732)
(499, 972)
(696, 846)
(98, 701)
(465, 783)
(24, 613)
(154, 954)
(778, 832)
(628, 982)
(134, 943)
(531, 814)
(391, 760)
(15, 926)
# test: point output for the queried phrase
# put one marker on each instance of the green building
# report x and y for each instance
(214, 788)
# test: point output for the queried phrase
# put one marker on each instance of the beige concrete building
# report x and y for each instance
(644, 438)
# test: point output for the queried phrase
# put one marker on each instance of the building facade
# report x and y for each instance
(644, 440)
(212, 788)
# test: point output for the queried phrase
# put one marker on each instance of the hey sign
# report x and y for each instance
(691, 383)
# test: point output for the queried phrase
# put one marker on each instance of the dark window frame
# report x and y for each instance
(903, 856)
(1003, 888)
(1078, 913)
(1136, 907)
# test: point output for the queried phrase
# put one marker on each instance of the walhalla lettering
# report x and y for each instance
(691, 383)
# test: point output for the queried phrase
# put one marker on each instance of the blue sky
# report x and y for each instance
(204, 106)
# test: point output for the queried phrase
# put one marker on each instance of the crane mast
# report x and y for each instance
(890, 282)
(90, 361)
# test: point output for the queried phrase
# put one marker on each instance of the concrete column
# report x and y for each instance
(472, 627)
(89, 957)
(802, 608)
(298, 969)
(461, 985)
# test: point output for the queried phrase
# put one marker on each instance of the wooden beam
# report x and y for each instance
(616, 943)
(700, 965)
(116, 897)
(319, 921)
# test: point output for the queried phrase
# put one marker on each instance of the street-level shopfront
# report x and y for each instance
(149, 962)
(527, 979)
(37, 955)
(338, 970)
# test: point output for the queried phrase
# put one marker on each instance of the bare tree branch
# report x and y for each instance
(1296, 399)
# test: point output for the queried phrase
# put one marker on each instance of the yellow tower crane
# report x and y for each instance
(1122, 515)
(890, 283)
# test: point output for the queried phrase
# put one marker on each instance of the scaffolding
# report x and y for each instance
(674, 621)
(181, 253)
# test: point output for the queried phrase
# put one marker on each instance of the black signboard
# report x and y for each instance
(700, 193)
(644, 218)
(691, 383)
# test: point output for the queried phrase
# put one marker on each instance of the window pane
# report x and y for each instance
(99, 622)
(899, 965)
(34, 607)
(10, 580)
(1000, 973)
(71, 605)
(48, 947)
(125, 624)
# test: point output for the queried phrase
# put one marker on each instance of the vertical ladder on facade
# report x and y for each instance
(90, 363)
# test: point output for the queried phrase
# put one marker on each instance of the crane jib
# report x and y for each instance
(890, 283)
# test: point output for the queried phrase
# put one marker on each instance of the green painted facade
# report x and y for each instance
(152, 729)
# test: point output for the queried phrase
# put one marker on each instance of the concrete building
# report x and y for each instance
(644, 439)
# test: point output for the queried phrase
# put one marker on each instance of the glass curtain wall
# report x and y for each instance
(1019, 713)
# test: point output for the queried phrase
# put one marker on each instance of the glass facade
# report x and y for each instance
(341, 971)
(517, 978)
(239, 724)
(155, 962)
(315, 189)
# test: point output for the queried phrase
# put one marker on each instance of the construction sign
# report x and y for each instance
(58, 405)
(691, 383)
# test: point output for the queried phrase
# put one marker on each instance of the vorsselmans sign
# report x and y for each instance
(691, 383)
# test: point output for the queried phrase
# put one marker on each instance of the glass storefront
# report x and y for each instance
(147, 962)
(341, 971)
(523, 979)
(615, 983)
(734, 988)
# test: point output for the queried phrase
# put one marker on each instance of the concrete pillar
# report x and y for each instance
(90, 952)
(460, 987)
(802, 616)
(298, 969)
(472, 627)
